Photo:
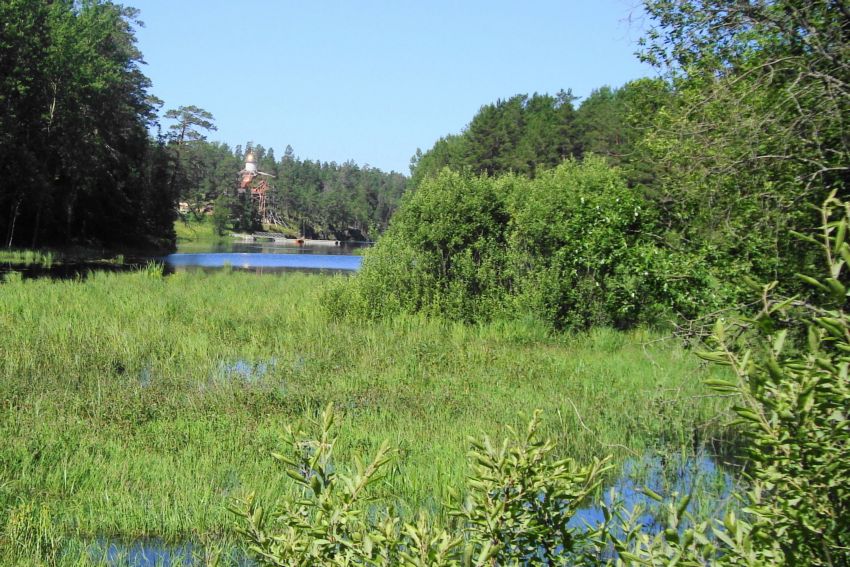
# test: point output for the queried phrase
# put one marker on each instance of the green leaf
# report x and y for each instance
(812, 281)
(716, 357)
(804, 237)
(722, 386)
(838, 290)
(651, 493)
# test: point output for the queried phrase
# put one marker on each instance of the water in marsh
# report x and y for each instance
(156, 553)
(710, 485)
(261, 247)
(263, 262)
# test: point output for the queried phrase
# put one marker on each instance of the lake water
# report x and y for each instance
(257, 257)
(263, 262)
(265, 257)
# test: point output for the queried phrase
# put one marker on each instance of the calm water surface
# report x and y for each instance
(265, 257)
(257, 257)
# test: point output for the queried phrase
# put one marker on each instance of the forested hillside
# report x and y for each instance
(526, 134)
(319, 198)
(78, 164)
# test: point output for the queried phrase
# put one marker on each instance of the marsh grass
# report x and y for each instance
(127, 411)
(16, 257)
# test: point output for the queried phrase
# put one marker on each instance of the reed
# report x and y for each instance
(137, 406)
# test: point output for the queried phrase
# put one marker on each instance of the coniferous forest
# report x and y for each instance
(342, 201)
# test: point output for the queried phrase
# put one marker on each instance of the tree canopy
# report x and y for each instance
(76, 159)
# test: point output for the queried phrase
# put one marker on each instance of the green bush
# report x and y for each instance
(572, 248)
(516, 511)
(443, 254)
(791, 361)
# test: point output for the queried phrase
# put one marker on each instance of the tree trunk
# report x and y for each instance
(14, 220)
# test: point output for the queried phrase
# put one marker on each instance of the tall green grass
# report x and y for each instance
(136, 405)
(193, 230)
(26, 257)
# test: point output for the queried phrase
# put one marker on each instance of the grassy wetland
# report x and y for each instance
(138, 406)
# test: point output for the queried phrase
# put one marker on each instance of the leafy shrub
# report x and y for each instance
(795, 404)
(516, 511)
(585, 255)
(444, 253)
(572, 248)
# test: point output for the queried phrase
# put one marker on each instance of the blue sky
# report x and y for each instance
(373, 80)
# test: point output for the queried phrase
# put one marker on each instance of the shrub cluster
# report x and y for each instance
(574, 247)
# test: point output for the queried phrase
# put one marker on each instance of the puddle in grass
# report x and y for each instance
(246, 370)
(711, 485)
(242, 370)
(156, 553)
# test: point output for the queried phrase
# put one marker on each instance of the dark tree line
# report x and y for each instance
(77, 164)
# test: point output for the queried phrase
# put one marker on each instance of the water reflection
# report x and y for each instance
(68, 270)
(142, 553)
(711, 488)
(156, 553)
(247, 371)
(256, 257)
(240, 246)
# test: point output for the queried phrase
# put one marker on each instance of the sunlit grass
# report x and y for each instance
(26, 257)
(192, 229)
(135, 405)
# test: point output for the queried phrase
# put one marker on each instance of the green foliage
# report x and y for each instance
(612, 122)
(444, 253)
(755, 130)
(683, 540)
(573, 247)
(790, 364)
(520, 500)
(576, 240)
(792, 379)
(328, 524)
(27, 257)
(221, 215)
(136, 405)
(31, 530)
(308, 198)
(522, 134)
(73, 129)
(518, 504)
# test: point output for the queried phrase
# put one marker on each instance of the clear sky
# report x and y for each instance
(372, 80)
